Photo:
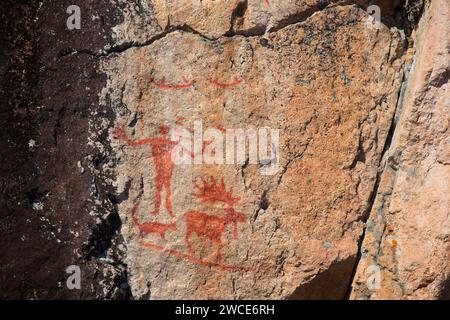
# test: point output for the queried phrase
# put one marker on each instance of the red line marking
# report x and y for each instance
(225, 85)
(163, 86)
(221, 129)
(192, 259)
(151, 227)
(202, 224)
(267, 2)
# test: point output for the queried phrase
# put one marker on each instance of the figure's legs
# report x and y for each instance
(157, 197)
(168, 198)
(188, 245)
(163, 177)
(219, 251)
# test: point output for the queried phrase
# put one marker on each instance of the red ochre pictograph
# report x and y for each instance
(205, 226)
(162, 85)
(151, 227)
(162, 148)
(225, 85)
(205, 263)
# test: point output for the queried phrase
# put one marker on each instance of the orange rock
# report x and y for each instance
(414, 190)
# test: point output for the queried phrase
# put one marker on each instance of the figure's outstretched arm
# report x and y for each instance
(120, 134)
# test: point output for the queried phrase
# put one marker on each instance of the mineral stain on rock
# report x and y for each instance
(314, 145)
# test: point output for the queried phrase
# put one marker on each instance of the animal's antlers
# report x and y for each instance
(212, 191)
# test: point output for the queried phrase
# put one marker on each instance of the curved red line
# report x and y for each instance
(225, 85)
(198, 261)
(163, 86)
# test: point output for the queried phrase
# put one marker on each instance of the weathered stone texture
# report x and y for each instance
(408, 232)
(330, 84)
(88, 177)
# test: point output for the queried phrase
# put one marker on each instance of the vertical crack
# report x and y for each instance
(381, 168)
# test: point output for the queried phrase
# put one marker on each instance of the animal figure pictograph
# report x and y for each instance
(162, 148)
(151, 227)
(205, 226)
(208, 226)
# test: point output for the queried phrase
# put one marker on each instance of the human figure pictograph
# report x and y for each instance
(162, 148)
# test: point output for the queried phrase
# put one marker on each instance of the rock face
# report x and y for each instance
(235, 149)
(298, 222)
(408, 231)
